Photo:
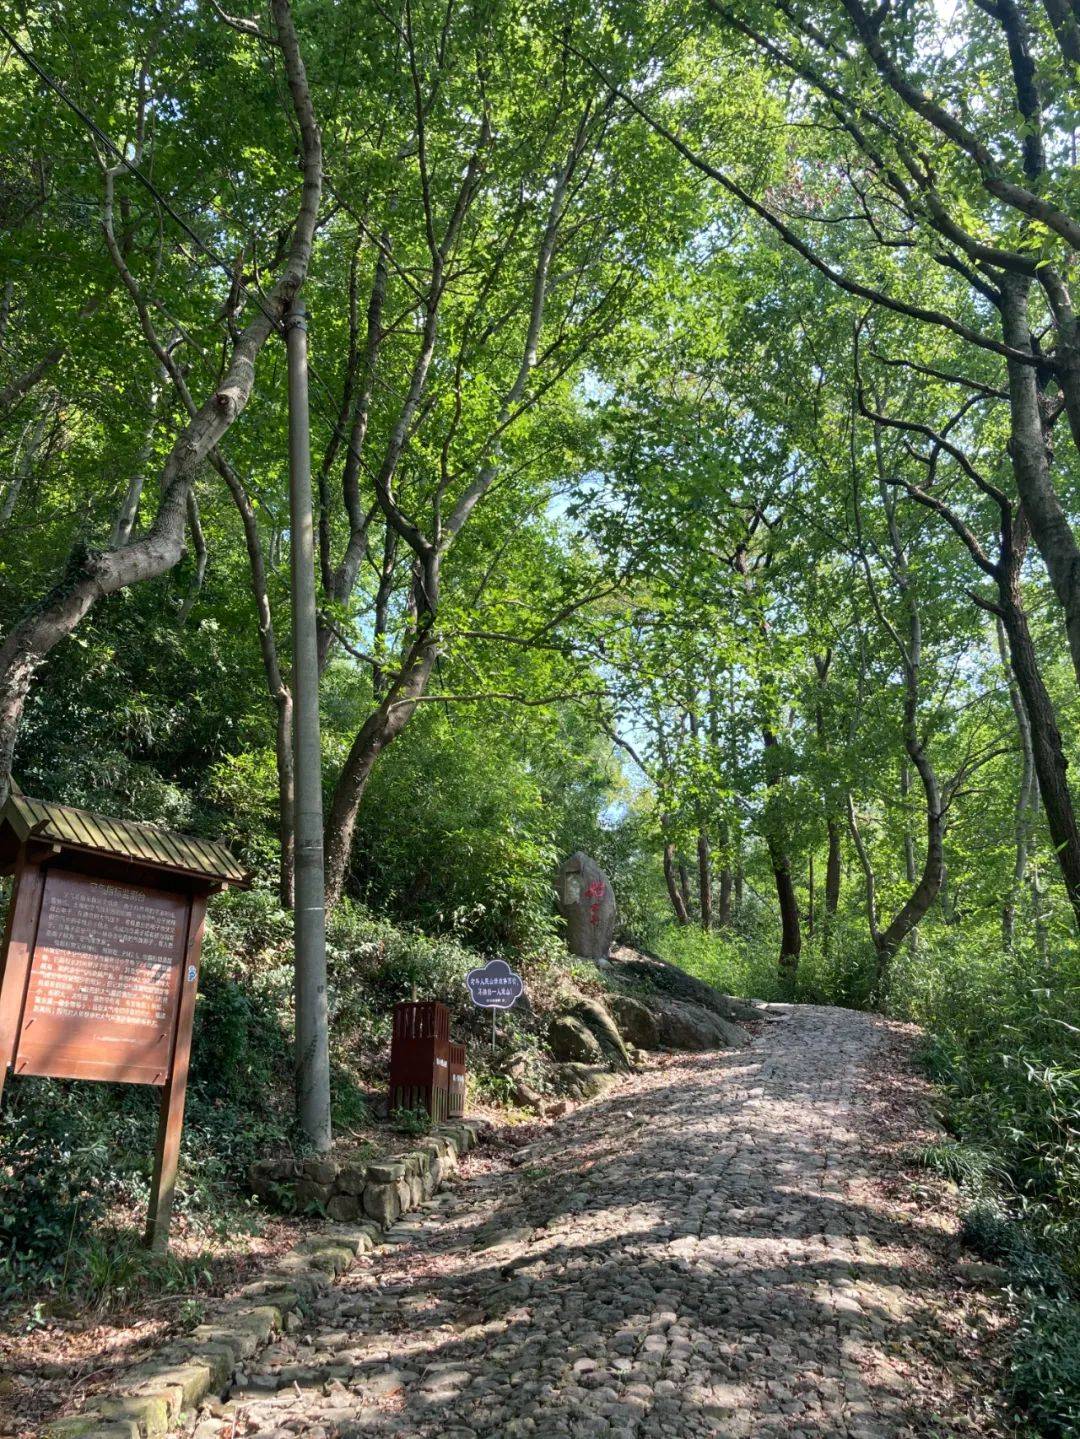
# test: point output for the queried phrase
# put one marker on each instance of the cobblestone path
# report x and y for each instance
(703, 1252)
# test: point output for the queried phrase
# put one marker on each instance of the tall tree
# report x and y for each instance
(93, 574)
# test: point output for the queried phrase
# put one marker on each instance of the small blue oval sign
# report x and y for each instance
(496, 986)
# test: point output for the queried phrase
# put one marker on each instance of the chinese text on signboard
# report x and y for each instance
(104, 981)
(496, 986)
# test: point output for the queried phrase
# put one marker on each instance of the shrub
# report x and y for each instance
(729, 962)
(1004, 1047)
(1045, 1371)
(968, 1165)
(835, 966)
(51, 1173)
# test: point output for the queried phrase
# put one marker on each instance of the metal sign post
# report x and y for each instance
(312, 1043)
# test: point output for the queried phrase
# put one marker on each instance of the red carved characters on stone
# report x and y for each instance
(594, 893)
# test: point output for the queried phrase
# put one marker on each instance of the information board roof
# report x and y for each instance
(131, 840)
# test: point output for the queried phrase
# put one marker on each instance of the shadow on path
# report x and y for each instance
(700, 1253)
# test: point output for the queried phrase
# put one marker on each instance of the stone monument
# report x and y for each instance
(586, 903)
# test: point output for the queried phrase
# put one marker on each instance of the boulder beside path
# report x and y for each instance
(588, 1034)
(586, 903)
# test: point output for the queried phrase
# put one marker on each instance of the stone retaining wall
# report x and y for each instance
(381, 1190)
(361, 1201)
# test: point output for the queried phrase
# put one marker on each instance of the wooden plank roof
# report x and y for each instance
(133, 840)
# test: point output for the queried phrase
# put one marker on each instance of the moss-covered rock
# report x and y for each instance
(648, 977)
(690, 1026)
(584, 1081)
(572, 1041)
(637, 1022)
(597, 1020)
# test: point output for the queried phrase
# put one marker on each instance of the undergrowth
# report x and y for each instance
(1002, 1046)
(835, 966)
(1044, 1371)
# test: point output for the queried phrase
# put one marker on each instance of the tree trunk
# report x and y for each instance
(27, 451)
(283, 757)
(909, 843)
(704, 859)
(92, 575)
(674, 892)
(869, 878)
(945, 899)
(1024, 815)
(1050, 527)
(198, 544)
(925, 891)
(832, 868)
(684, 888)
(790, 927)
(723, 914)
(810, 897)
(886, 942)
(124, 524)
(790, 930)
(930, 882)
(311, 1046)
(339, 582)
(279, 691)
(1038, 911)
(678, 887)
(723, 909)
(1047, 751)
(378, 731)
(382, 607)
(704, 853)
(933, 871)
(822, 664)
(1029, 465)
(1048, 755)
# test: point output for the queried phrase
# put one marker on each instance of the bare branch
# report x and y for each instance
(243, 25)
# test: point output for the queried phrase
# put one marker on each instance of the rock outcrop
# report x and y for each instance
(572, 1041)
(670, 1009)
(690, 1026)
(647, 975)
(663, 1023)
(584, 1081)
(588, 1034)
(637, 1022)
(598, 1021)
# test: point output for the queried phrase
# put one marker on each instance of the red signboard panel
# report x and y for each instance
(106, 973)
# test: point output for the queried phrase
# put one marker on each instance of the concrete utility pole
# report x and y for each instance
(312, 1037)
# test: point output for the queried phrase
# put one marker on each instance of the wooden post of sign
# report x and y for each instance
(174, 1092)
(19, 936)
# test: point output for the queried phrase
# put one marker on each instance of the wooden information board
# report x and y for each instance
(105, 980)
(100, 961)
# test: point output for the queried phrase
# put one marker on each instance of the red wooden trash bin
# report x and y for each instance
(457, 1081)
(420, 1058)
